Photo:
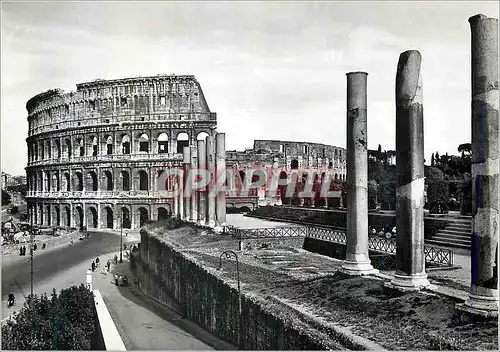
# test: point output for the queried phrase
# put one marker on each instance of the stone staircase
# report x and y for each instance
(456, 234)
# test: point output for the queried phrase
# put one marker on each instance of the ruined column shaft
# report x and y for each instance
(176, 200)
(220, 148)
(202, 194)
(357, 261)
(410, 257)
(194, 191)
(180, 196)
(210, 212)
(186, 194)
(485, 163)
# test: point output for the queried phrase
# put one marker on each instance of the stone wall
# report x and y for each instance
(174, 279)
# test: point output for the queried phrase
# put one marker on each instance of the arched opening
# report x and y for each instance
(126, 223)
(92, 218)
(143, 216)
(48, 215)
(49, 149)
(58, 216)
(143, 180)
(125, 144)
(336, 177)
(109, 145)
(35, 153)
(58, 149)
(163, 143)
(92, 181)
(66, 180)
(109, 180)
(67, 216)
(202, 136)
(282, 185)
(258, 178)
(144, 143)
(294, 165)
(79, 144)
(47, 181)
(242, 180)
(68, 147)
(55, 182)
(94, 146)
(109, 217)
(162, 214)
(79, 218)
(182, 141)
(79, 181)
(125, 180)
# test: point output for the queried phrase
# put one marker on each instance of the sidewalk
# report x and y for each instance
(143, 323)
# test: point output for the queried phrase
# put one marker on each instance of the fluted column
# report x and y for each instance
(194, 192)
(410, 257)
(210, 212)
(202, 194)
(483, 297)
(220, 160)
(357, 261)
(186, 197)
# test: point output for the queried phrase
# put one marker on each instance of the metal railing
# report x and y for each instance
(433, 255)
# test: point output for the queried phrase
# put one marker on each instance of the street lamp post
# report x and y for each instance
(227, 255)
(121, 238)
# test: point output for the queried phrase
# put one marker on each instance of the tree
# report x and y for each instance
(436, 158)
(465, 148)
(432, 159)
(379, 152)
(373, 189)
(6, 198)
(437, 190)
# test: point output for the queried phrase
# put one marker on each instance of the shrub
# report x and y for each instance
(466, 196)
(438, 196)
(64, 322)
(373, 189)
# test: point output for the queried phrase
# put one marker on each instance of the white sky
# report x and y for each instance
(269, 70)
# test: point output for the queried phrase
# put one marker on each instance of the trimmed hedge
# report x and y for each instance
(65, 322)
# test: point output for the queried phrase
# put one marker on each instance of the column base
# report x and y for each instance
(210, 223)
(408, 283)
(357, 268)
(485, 306)
(202, 222)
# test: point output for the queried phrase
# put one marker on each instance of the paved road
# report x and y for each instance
(53, 268)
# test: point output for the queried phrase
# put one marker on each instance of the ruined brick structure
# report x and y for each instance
(94, 155)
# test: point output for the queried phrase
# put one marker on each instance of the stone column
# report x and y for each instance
(210, 212)
(185, 198)
(357, 261)
(483, 297)
(410, 257)
(194, 192)
(202, 194)
(220, 160)
(176, 200)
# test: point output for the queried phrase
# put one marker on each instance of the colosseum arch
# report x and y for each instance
(47, 181)
(67, 182)
(57, 213)
(107, 217)
(143, 181)
(67, 148)
(91, 181)
(35, 151)
(92, 217)
(336, 177)
(67, 216)
(55, 181)
(78, 181)
(79, 147)
(163, 213)
(143, 216)
(109, 145)
(49, 149)
(202, 136)
(125, 218)
(163, 143)
(182, 141)
(144, 143)
(294, 165)
(48, 214)
(78, 214)
(108, 178)
(58, 148)
(125, 180)
(93, 146)
(125, 144)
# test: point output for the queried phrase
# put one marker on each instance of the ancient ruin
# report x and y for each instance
(357, 261)
(483, 298)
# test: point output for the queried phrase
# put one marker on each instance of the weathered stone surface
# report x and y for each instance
(485, 166)
(357, 261)
(194, 191)
(211, 196)
(187, 188)
(202, 201)
(221, 172)
(410, 257)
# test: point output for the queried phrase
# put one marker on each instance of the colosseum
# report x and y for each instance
(95, 155)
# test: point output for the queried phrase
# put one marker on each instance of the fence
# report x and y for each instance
(433, 255)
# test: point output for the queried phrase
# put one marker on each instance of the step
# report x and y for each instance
(455, 232)
(459, 221)
(459, 228)
(447, 244)
(451, 240)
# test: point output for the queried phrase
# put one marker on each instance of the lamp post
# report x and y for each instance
(121, 239)
(227, 255)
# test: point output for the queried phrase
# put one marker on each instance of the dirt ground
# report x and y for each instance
(309, 282)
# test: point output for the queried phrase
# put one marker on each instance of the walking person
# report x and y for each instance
(97, 261)
(116, 279)
(93, 266)
(108, 264)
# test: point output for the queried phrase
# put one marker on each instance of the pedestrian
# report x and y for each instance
(126, 233)
(116, 259)
(93, 266)
(35, 247)
(108, 264)
(116, 279)
(97, 261)
(23, 250)
(20, 251)
(44, 246)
